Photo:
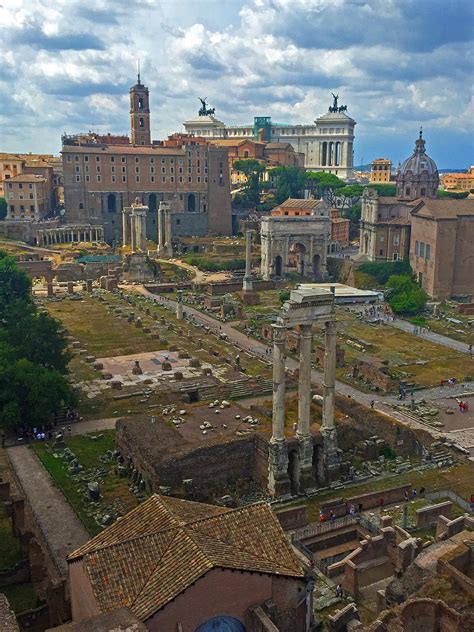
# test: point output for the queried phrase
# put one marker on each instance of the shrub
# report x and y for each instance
(405, 296)
(384, 270)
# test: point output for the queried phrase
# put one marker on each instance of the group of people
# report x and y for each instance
(379, 311)
(420, 330)
(463, 406)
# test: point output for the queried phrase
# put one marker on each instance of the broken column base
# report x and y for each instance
(278, 479)
(332, 467)
(249, 297)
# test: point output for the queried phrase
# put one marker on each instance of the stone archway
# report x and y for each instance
(278, 266)
(299, 251)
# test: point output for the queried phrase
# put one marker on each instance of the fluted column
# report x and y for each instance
(160, 229)
(278, 479)
(133, 232)
(304, 381)
(278, 416)
(329, 385)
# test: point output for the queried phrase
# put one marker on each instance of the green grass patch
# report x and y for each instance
(114, 490)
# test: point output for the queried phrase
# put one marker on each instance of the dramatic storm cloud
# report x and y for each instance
(67, 66)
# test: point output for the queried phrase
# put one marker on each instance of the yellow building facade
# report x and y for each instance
(381, 170)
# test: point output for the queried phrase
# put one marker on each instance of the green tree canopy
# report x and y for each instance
(405, 296)
(456, 195)
(14, 284)
(290, 182)
(382, 188)
(30, 394)
(252, 170)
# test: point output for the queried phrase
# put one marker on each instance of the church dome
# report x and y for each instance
(418, 175)
(419, 161)
(221, 624)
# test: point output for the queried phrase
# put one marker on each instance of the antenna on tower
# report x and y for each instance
(138, 68)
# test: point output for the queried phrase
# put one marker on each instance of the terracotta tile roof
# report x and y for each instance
(446, 208)
(301, 204)
(164, 545)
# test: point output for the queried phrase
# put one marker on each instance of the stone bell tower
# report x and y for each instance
(140, 114)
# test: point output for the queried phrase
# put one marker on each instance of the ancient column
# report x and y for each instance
(328, 429)
(278, 480)
(160, 228)
(179, 305)
(133, 232)
(247, 284)
(306, 479)
(168, 246)
(329, 384)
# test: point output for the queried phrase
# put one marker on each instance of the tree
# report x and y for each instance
(14, 284)
(384, 188)
(405, 296)
(30, 394)
(3, 208)
(353, 215)
(346, 197)
(456, 195)
(322, 183)
(252, 170)
(290, 182)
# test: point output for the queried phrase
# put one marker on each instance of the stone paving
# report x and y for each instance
(61, 527)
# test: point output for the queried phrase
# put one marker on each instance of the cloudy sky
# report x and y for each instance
(67, 65)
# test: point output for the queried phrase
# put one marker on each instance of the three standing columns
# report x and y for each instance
(305, 440)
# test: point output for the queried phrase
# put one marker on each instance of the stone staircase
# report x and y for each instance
(440, 455)
(238, 390)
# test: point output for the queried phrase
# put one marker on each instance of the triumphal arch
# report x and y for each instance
(305, 307)
(295, 238)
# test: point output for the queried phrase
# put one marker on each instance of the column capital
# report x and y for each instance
(279, 332)
(305, 331)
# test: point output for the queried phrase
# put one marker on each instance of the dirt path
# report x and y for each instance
(61, 528)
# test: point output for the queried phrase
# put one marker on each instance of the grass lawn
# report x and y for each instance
(102, 334)
(114, 490)
(10, 553)
(400, 348)
(21, 597)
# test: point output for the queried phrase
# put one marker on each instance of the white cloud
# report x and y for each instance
(394, 64)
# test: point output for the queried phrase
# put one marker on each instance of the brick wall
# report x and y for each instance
(428, 516)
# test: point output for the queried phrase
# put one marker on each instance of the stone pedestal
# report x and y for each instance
(179, 311)
(70, 287)
(332, 468)
(49, 290)
(89, 285)
(278, 479)
(307, 480)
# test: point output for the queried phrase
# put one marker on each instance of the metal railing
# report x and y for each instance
(318, 528)
(447, 493)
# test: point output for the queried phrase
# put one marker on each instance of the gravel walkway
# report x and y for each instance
(61, 528)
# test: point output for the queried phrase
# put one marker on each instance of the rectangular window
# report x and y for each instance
(417, 248)
(97, 158)
(396, 240)
(152, 178)
(163, 161)
(69, 158)
(199, 179)
(152, 160)
(86, 168)
(152, 169)
(422, 248)
(190, 179)
(124, 169)
(32, 208)
(12, 209)
(137, 159)
(113, 178)
(78, 178)
(428, 251)
(98, 168)
(22, 208)
(163, 169)
(112, 158)
(124, 178)
(86, 158)
(31, 196)
(137, 169)
(76, 158)
(123, 159)
(112, 169)
(137, 178)
(98, 178)
(88, 178)
(77, 168)
(163, 178)
(171, 178)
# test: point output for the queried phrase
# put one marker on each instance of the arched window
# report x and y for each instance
(191, 203)
(246, 154)
(141, 121)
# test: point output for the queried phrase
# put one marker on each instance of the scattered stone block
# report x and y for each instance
(166, 366)
(137, 369)
(195, 363)
(178, 375)
(116, 385)
(90, 359)
(98, 365)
